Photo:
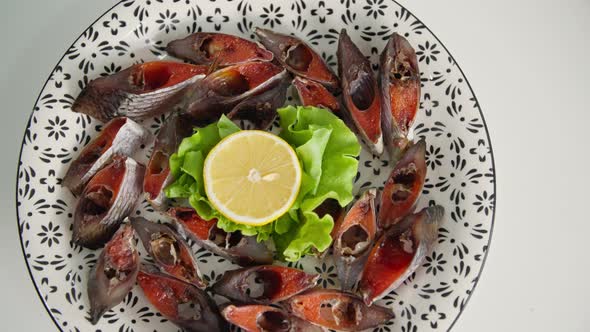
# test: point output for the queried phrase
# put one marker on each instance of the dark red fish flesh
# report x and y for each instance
(157, 173)
(360, 92)
(114, 274)
(314, 94)
(108, 198)
(299, 58)
(206, 48)
(399, 252)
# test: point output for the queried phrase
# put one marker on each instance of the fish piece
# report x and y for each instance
(337, 310)
(114, 273)
(108, 198)
(227, 89)
(180, 302)
(157, 173)
(353, 239)
(206, 48)
(170, 252)
(404, 186)
(331, 207)
(399, 252)
(263, 318)
(360, 93)
(314, 94)
(264, 284)
(121, 136)
(138, 92)
(299, 58)
(400, 90)
(239, 249)
(261, 109)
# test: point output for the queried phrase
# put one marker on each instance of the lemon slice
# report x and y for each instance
(252, 177)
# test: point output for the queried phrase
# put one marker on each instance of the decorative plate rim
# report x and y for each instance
(493, 215)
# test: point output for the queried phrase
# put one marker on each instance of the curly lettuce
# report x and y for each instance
(328, 152)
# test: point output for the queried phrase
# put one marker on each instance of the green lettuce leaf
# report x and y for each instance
(327, 151)
(186, 165)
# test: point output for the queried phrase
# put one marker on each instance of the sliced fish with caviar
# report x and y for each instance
(403, 186)
(337, 310)
(107, 199)
(239, 249)
(399, 252)
(170, 252)
(263, 318)
(353, 239)
(141, 91)
(314, 94)
(360, 93)
(400, 91)
(114, 273)
(299, 58)
(180, 302)
(207, 48)
(234, 88)
(157, 173)
(119, 137)
(264, 284)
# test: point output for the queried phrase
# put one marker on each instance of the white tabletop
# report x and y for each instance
(528, 62)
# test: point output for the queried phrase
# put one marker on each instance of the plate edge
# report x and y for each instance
(485, 125)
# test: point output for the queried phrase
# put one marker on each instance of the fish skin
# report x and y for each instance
(205, 102)
(261, 109)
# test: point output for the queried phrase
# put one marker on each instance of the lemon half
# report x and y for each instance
(252, 177)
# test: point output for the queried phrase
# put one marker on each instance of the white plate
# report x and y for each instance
(460, 177)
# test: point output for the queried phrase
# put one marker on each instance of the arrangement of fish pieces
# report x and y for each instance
(239, 78)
